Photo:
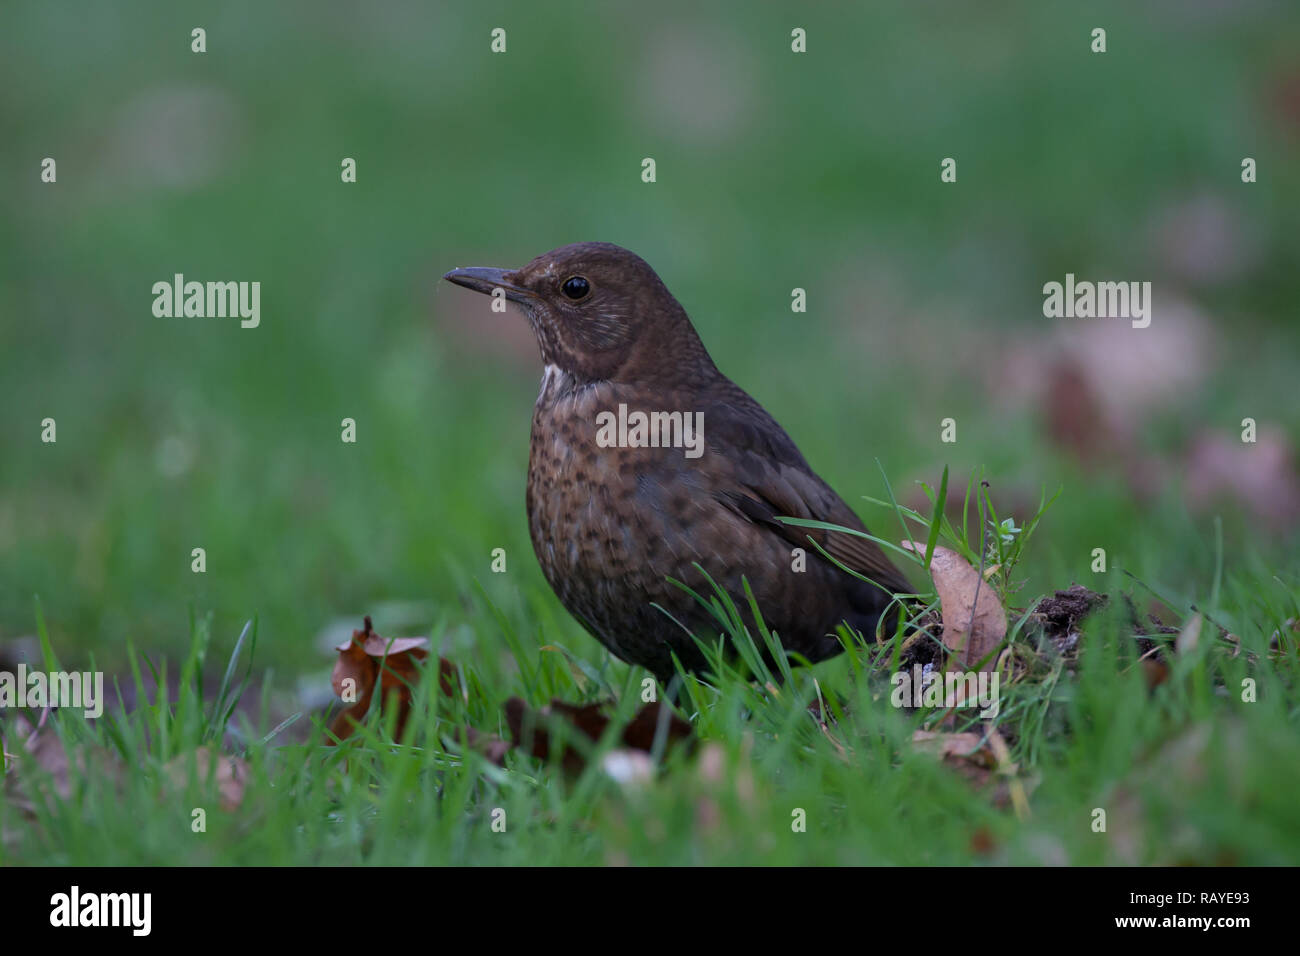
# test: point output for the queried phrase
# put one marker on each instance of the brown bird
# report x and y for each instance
(646, 460)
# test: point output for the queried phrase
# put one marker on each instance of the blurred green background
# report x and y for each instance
(775, 170)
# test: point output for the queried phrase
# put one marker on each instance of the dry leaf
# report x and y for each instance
(639, 734)
(231, 774)
(394, 662)
(591, 721)
(963, 745)
(354, 673)
(41, 747)
(982, 761)
(1154, 670)
(1260, 476)
(528, 726)
(1189, 636)
(981, 842)
(970, 636)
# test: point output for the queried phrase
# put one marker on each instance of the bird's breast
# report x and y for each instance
(576, 487)
(606, 508)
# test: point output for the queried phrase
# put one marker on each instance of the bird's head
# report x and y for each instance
(599, 312)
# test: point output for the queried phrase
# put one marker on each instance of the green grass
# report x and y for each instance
(1187, 772)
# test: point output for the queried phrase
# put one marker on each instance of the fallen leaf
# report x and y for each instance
(963, 745)
(981, 842)
(1073, 416)
(983, 761)
(1260, 476)
(528, 726)
(1189, 636)
(367, 658)
(1154, 671)
(974, 622)
(354, 673)
(41, 747)
(231, 774)
(639, 734)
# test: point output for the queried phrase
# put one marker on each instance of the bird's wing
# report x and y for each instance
(770, 479)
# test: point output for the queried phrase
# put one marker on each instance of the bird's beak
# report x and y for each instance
(484, 279)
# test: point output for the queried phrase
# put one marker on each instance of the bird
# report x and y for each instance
(626, 510)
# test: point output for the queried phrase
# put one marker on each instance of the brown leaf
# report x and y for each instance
(354, 665)
(1154, 671)
(1261, 477)
(357, 666)
(231, 774)
(981, 842)
(984, 762)
(528, 726)
(586, 717)
(640, 732)
(961, 590)
(1189, 636)
(1073, 416)
(591, 721)
(396, 648)
(41, 747)
(963, 746)
(395, 662)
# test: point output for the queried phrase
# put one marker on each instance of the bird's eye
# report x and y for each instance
(575, 287)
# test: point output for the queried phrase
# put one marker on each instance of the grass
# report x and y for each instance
(1186, 772)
